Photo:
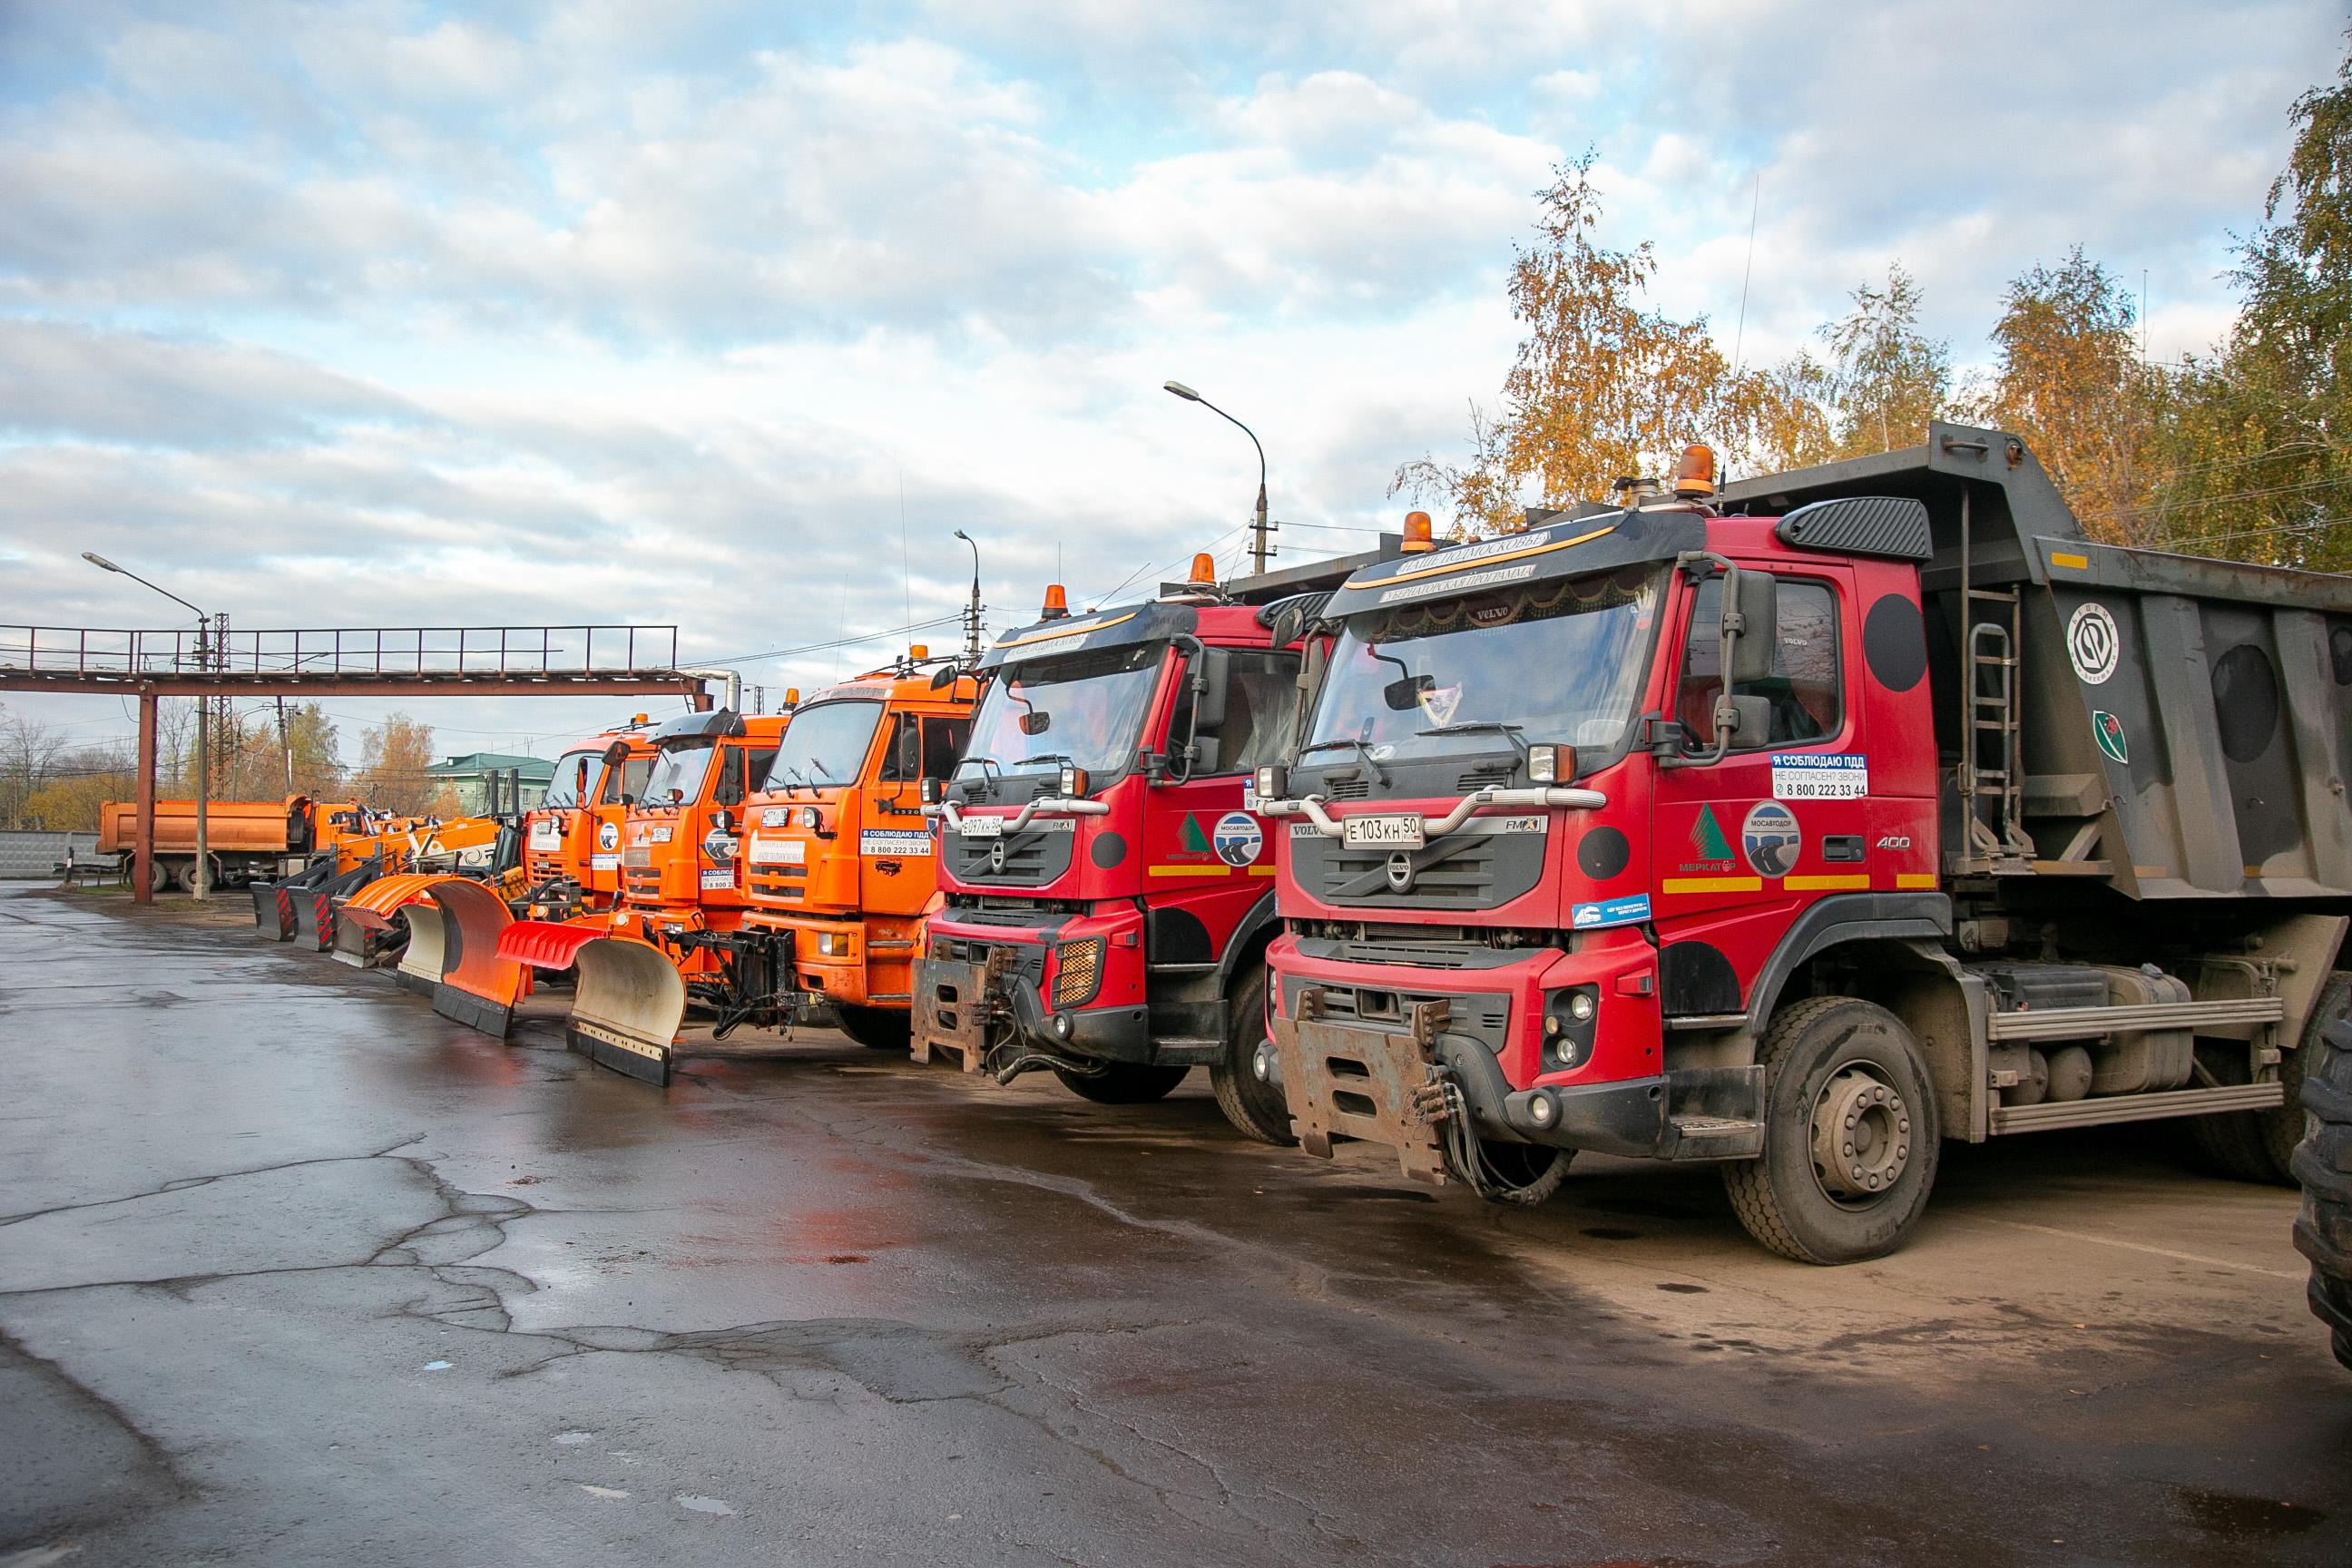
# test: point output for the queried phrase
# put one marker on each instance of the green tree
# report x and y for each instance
(1886, 379)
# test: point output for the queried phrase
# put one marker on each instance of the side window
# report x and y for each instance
(943, 740)
(729, 788)
(1804, 688)
(629, 779)
(761, 761)
(1261, 708)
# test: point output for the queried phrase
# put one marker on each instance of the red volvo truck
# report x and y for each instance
(1989, 830)
(1109, 894)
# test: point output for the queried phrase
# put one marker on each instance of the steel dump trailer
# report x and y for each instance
(243, 838)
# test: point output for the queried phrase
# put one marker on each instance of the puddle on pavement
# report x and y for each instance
(2238, 1517)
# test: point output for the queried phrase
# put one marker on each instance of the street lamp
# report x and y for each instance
(1258, 551)
(202, 884)
(971, 616)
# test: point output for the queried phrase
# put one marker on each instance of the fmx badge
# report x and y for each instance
(1771, 840)
(2109, 731)
(2092, 644)
(1238, 840)
(1707, 839)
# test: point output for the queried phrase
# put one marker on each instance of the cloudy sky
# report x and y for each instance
(728, 315)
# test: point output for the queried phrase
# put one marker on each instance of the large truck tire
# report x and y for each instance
(877, 1028)
(2322, 1163)
(2259, 1146)
(1850, 1135)
(1257, 1109)
(1123, 1083)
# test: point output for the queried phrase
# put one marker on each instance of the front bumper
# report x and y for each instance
(980, 987)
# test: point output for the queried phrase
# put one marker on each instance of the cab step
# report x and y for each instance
(1713, 1138)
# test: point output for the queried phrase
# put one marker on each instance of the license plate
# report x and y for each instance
(984, 827)
(1383, 832)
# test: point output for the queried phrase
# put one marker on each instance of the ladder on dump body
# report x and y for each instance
(1992, 652)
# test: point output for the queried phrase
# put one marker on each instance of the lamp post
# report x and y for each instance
(1258, 547)
(202, 883)
(971, 616)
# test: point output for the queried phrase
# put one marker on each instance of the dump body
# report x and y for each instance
(262, 827)
(2067, 821)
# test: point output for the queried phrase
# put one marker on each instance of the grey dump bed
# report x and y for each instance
(2164, 726)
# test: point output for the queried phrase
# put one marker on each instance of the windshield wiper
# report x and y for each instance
(1379, 775)
(1481, 727)
(1046, 757)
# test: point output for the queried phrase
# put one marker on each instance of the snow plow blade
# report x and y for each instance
(628, 1002)
(314, 907)
(369, 933)
(477, 987)
(428, 949)
(273, 902)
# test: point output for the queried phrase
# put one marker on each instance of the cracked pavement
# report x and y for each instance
(292, 1271)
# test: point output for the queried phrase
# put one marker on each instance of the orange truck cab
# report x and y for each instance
(837, 855)
(571, 839)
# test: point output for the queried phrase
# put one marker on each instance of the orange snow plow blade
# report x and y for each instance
(477, 987)
(368, 932)
(629, 1000)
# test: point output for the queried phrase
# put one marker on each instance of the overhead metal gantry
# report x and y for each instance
(336, 661)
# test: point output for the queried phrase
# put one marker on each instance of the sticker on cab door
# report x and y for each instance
(1771, 840)
(894, 841)
(1819, 775)
(1610, 913)
(719, 876)
(1237, 839)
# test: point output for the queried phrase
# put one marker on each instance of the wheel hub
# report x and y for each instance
(1862, 1134)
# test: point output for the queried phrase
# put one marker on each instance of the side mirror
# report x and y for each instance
(1754, 595)
(628, 799)
(1212, 679)
(1035, 723)
(1403, 695)
(617, 753)
(1204, 753)
(945, 677)
(1751, 718)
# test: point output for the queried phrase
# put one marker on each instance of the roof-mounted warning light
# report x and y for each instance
(1695, 475)
(920, 652)
(1204, 570)
(1417, 532)
(1058, 604)
(792, 697)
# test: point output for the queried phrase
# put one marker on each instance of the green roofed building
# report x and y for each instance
(470, 776)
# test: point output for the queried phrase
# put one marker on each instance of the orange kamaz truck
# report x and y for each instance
(571, 839)
(838, 856)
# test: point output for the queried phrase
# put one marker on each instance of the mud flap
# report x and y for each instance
(1347, 1081)
(479, 987)
(952, 1009)
(427, 951)
(627, 1003)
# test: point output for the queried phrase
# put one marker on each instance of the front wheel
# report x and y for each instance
(1254, 1106)
(1850, 1135)
(876, 1028)
(1123, 1083)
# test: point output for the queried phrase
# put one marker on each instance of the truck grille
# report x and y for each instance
(1031, 859)
(1472, 871)
(636, 856)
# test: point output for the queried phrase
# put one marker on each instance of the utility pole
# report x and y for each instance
(971, 612)
(202, 878)
(200, 881)
(1260, 549)
(286, 745)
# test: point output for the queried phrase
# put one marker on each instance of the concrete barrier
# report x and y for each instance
(34, 857)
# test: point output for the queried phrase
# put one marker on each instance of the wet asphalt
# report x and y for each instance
(293, 1271)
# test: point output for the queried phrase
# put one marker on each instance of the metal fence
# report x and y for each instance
(26, 855)
(342, 650)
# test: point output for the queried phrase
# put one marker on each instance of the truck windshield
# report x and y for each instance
(573, 770)
(824, 745)
(1559, 662)
(677, 776)
(1084, 709)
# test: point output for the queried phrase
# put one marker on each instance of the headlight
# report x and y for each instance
(1551, 764)
(1273, 781)
(1570, 1023)
(1077, 974)
(832, 944)
(812, 818)
(1074, 782)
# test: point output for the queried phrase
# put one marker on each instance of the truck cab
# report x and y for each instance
(571, 839)
(837, 855)
(678, 841)
(1800, 828)
(1108, 889)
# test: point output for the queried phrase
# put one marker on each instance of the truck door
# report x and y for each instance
(1198, 840)
(894, 841)
(1742, 846)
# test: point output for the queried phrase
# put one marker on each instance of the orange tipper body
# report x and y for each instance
(571, 839)
(837, 852)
